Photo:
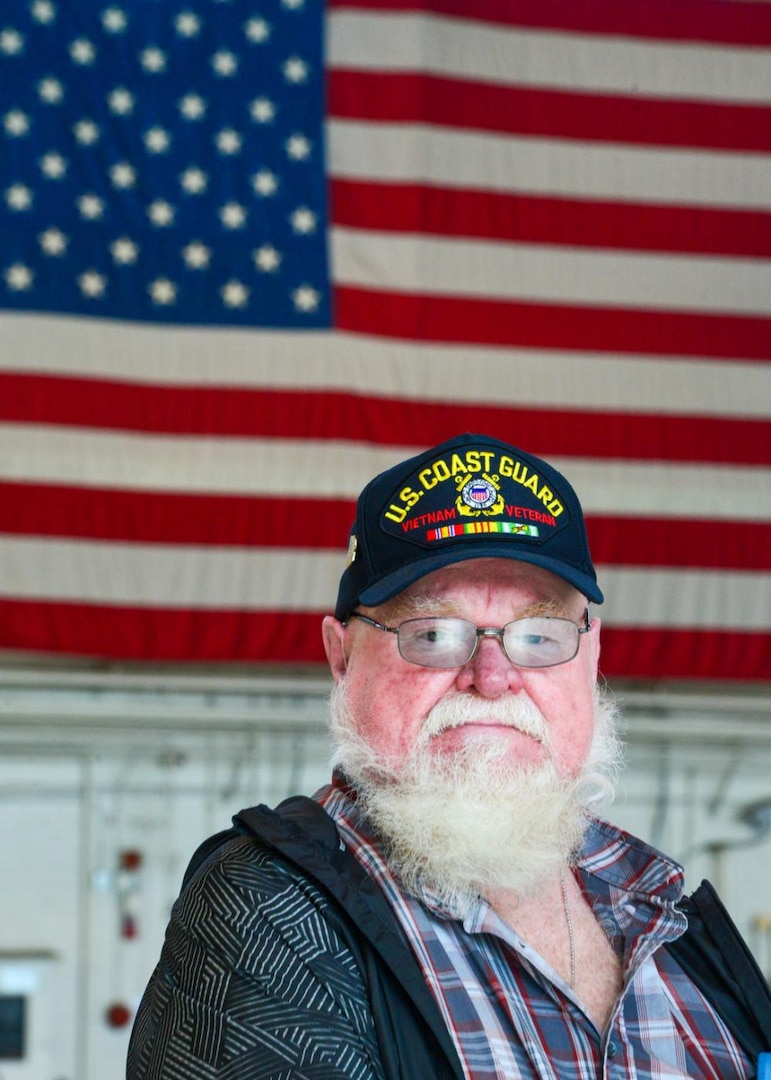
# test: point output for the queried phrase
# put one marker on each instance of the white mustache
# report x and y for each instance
(512, 711)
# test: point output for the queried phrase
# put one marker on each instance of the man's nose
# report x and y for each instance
(489, 671)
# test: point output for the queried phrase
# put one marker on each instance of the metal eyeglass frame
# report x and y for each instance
(481, 632)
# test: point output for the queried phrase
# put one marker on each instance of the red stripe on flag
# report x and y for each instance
(152, 517)
(679, 542)
(260, 522)
(534, 219)
(661, 653)
(120, 633)
(262, 413)
(552, 326)
(561, 114)
(733, 22)
(156, 634)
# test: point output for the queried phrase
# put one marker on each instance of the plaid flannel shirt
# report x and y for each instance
(511, 1016)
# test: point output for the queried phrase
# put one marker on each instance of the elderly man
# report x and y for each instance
(450, 905)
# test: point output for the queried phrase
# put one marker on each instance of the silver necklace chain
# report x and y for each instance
(571, 934)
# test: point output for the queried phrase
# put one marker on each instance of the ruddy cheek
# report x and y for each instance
(386, 712)
(575, 745)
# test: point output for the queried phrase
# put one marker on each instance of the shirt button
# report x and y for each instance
(612, 1049)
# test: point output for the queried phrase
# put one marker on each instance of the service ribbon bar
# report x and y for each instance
(447, 531)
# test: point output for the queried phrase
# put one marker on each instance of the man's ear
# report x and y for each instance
(333, 633)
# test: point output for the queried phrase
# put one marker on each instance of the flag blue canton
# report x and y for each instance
(164, 162)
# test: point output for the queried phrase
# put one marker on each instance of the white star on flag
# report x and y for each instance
(82, 51)
(53, 242)
(187, 24)
(50, 91)
(196, 255)
(53, 165)
(121, 101)
(163, 291)
(192, 106)
(265, 182)
(194, 180)
(124, 251)
(153, 60)
(161, 213)
(257, 30)
(114, 20)
(235, 294)
(16, 123)
(19, 277)
(267, 258)
(19, 197)
(123, 175)
(306, 298)
(92, 284)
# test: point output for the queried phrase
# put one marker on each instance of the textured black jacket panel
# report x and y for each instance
(264, 977)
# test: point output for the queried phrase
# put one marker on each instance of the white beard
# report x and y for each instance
(463, 823)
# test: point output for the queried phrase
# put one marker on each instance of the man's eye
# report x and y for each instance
(430, 638)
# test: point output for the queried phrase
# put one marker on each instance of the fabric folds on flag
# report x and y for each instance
(248, 260)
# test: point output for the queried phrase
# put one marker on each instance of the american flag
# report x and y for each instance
(254, 251)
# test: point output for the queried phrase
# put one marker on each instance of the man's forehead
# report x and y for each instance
(501, 573)
(523, 583)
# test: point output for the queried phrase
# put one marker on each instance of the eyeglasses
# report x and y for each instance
(438, 642)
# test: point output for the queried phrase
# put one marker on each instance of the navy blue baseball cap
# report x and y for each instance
(471, 497)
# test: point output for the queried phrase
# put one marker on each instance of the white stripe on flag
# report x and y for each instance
(466, 159)
(677, 599)
(332, 469)
(551, 274)
(181, 356)
(168, 576)
(460, 48)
